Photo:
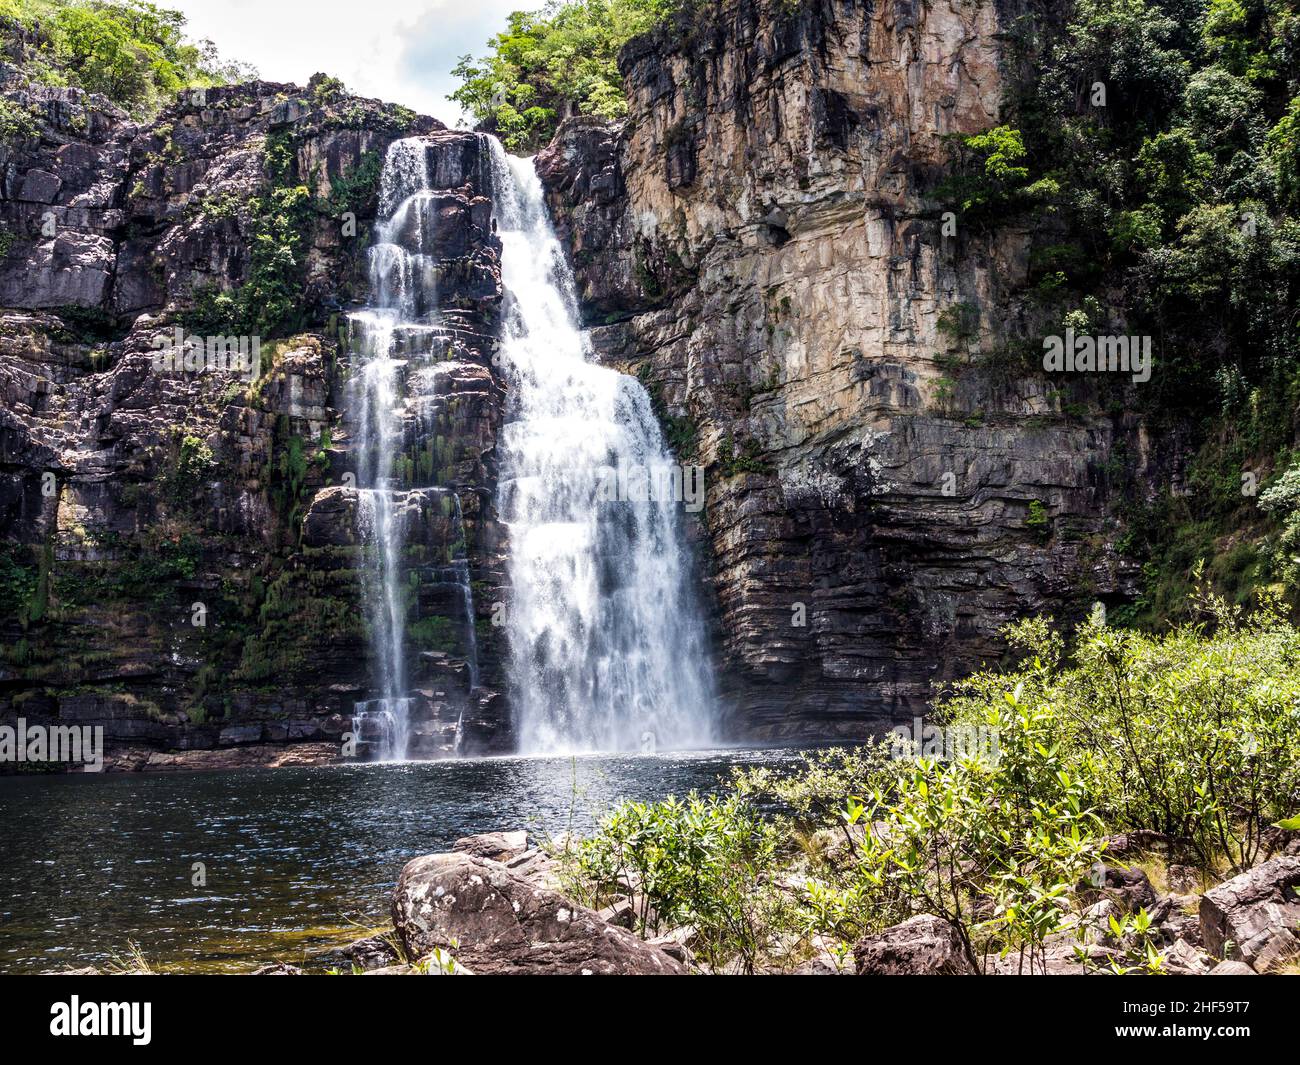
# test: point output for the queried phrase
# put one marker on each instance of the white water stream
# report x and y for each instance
(607, 646)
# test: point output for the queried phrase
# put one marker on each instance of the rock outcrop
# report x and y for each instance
(1254, 918)
(923, 945)
(496, 922)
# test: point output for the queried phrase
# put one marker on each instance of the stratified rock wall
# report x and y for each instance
(758, 242)
(181, 562)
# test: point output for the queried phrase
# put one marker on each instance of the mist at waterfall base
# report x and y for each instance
(607, 650)
(294, 860)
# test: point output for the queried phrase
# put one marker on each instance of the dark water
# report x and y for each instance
(296, 860)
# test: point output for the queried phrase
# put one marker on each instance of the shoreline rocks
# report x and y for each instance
(497, 922)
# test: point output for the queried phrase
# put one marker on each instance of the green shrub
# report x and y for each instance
(702, 861)
(1192, 734)
(131, 51)
(547, 60)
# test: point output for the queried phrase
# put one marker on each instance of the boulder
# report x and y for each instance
(1129, 887)
(498, 846)
(923, 945)
(537, 867)
(620, 912)
(1255, 917)
(1183, 959)
(677, 943)
(497, 922)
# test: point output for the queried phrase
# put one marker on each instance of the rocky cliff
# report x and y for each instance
(891, 477)
(181, 561)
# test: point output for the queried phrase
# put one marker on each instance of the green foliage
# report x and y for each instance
(1009, 839)
(352, 191)
(1283, 499)
(989, 175)
(1191, 734)
(1164, 137)
(702, 861)
(549, 61)
(16, 123)
(133, 52)
(1038, 520)
(679, 432)
(301, 613)
(19, 581)
(268, 303)
(194, 465)
(748, 459)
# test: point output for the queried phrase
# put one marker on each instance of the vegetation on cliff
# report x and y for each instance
(131, 51)
(1155, 144)
(560, 60)
(1191, 736)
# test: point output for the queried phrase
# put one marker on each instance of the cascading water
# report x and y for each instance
(608, 648)
(391, 340)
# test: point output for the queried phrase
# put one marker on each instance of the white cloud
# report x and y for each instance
(397, 50)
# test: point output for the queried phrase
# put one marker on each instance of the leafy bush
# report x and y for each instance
(1283, 498)
(1193, 734)
(548, 62)
(131, 51)
(702, 861)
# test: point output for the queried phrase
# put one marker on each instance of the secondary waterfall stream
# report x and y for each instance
(608, 649)
(394, 341)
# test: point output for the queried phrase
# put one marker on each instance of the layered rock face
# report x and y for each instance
(891, 479)
(181, 562)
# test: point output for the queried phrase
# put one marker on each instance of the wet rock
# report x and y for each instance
(497, 922)
(924, 945)
(372, 952)
(277, 969)
(1254, 917)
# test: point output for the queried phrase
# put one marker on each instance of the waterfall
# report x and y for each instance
(392, 341)
(608, 650)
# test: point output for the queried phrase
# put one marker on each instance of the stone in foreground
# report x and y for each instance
(923, 945)
(498, 846)
(498, 923)
(1254, 917)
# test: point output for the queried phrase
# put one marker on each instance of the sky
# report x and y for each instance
(401, 51)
